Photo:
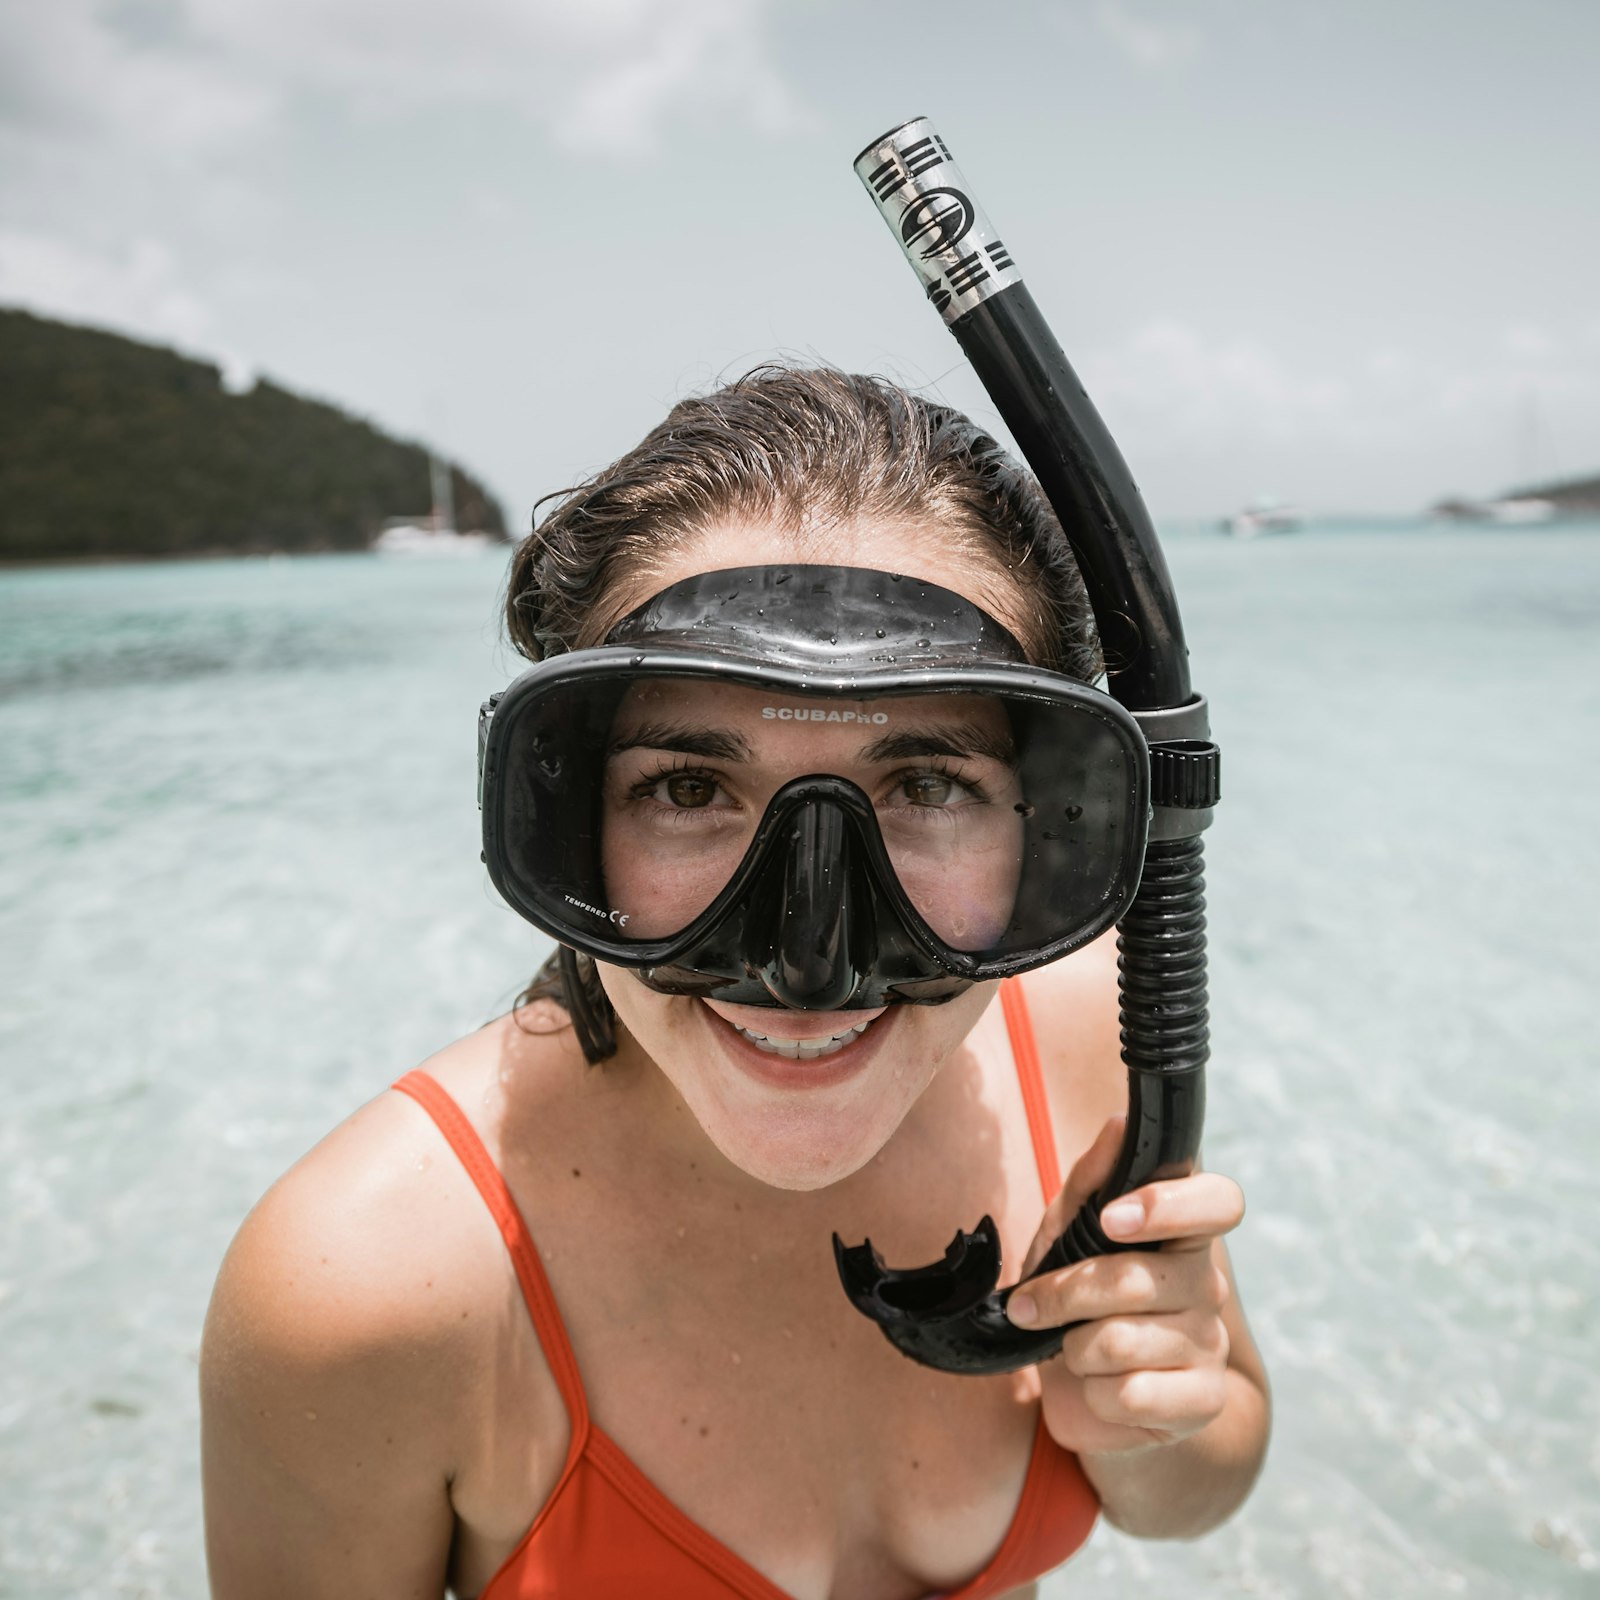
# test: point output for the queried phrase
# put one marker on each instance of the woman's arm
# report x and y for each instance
(1158, 1388)
(326, 1370)
(1161, 1391)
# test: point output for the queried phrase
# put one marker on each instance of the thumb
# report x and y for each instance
(1089, 1172)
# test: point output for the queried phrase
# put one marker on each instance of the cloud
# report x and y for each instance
(605, 76)
(1199, 389)
(138, 289)
(1519, 402)
(1151, 45)
(74, 75)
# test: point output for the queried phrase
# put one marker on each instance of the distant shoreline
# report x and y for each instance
(176, 558)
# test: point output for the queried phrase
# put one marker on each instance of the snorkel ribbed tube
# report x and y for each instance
(951, 1315)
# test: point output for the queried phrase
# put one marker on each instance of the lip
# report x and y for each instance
(822, 1072)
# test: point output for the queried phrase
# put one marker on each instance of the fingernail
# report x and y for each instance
(1123, 1218)
(1021, 1309)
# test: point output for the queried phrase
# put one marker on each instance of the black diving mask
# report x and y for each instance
(815, 787)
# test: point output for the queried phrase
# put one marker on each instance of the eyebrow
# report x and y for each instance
(956, 740)
(716, 744)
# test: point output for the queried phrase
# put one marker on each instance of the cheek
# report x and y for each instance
(968, 896)
(662, 884)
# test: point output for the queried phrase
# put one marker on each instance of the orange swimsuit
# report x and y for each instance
(607, 1532)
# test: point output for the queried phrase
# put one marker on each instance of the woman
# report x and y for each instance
(668, 1394)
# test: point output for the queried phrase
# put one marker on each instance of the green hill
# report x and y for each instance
(110, 447)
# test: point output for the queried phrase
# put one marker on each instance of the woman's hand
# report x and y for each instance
(1148, 1366)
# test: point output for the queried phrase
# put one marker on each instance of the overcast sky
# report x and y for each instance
(1344, 251)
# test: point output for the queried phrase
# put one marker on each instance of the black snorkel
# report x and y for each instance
(951, 1315)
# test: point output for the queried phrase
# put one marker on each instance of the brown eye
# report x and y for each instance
(928, 789)
(689, 790)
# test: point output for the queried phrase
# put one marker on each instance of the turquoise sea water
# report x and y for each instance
(239, 893)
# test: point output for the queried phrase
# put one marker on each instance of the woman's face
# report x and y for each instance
(801, 1099)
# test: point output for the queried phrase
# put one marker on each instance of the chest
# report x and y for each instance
(723, 1361)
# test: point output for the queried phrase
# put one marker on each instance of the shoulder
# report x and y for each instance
(368, 1269)
(351, 1261)
(347, 1360)
(1073, 1005)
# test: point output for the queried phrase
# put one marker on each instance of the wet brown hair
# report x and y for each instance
(807, 449)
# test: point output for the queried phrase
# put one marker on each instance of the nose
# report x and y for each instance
(821, 936)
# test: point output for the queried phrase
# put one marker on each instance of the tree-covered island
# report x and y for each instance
(113, 448)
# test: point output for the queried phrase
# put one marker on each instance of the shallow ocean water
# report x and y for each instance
(240, 892)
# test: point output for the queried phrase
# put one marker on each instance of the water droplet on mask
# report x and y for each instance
(1074, 812)
(1049, 835)
(922, 644)
(1023, 809)
(637, 661)
(881, 634)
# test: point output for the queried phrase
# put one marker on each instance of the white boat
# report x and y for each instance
(1508, 510)
(1262, 515)
(1521, 509)
(434, 534)
(404, 536)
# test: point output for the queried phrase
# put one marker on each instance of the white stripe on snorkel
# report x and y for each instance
(948, 240)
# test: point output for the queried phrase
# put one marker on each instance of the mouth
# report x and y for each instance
(803, 1049)
(769, 1033)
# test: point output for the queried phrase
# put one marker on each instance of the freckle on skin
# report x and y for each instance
(576, 1173)
(704, 1430)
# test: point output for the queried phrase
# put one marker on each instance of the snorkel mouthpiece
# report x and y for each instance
(950, 1314)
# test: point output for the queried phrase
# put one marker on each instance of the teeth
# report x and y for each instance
(805, 1049)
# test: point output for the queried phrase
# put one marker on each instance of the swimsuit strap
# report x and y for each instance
(1025, 1051)
(463, 1138)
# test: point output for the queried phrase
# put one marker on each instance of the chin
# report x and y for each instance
(797, 1158)
(787, 1118)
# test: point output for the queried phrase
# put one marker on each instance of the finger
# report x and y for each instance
(1089, 1172)
(1162, 1343)
(1136, 1283)
(1175, 1404)
(1189, 1212)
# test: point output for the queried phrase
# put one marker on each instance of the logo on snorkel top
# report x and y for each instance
(817, 714)
(947, 239)
(943, 215)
